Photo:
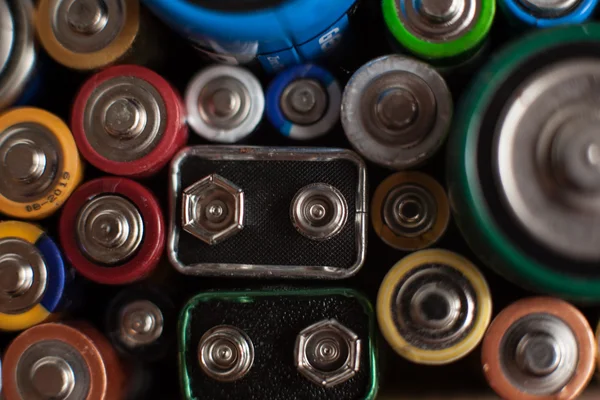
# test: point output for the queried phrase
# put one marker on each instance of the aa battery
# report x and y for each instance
(539, 348)
(410, 211)
(40, 164)
(396, 111)
(434, 307)
(224, 103)
(112, 231)
(62, 362)
(91, 34)
(18, 56)
(34, 281)
(303, 102)
(521, 163)
(129, 121)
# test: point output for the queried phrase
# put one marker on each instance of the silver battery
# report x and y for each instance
(87, 26)
(327, 353)
(225, 353)
(319, 211)
(141, 323)
(124, 119)
(30, 157)
(546, 157)
(224, 103)
(110, 229)
(539, 354)
(17, 51)
(439, 21)
(23, 276)
(396, 111)
(52, 369)
(549, 8)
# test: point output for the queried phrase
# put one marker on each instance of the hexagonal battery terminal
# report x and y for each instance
(327, 353)
(213, 209)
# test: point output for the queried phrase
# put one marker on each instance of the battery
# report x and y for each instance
(303, 102)
(547, 14)
(112, 231)
(277, 33)
(433, 307)
(442, 32)
(18, 58)
(317, 344)
(539, 348)
(56, 361)
(521, 163)
(129, 121)
(224, 103)
(396, 111)
(34, 281)
(92, 34)
(39, 163)
(140, 322)
(410, 211)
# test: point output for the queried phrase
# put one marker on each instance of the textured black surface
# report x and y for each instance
(268, 237)
(272, 323)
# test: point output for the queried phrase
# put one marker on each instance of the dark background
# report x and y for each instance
(180, 63)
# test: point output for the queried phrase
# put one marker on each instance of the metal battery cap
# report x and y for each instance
(23, 276)
(142, 323)
(225, 353)
(319, 211)
(327, 353)
(87, 26)
(549, 8)
(213, 209)
(29, 160)
(304, 101)
(52, 369)
(409, 210)
(110, 229)
(547, 157)
(396, 111)
(124, 118)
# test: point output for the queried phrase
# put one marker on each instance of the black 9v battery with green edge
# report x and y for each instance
(278, 344)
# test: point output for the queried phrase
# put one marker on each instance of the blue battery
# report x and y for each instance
(539, 14)
(312, 82)
(287, 33)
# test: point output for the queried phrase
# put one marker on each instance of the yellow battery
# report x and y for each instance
(433, 307)
(40, 165)
(87, 35)
(410, 211)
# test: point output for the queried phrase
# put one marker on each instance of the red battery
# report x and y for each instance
(129, 121)
(112, 231)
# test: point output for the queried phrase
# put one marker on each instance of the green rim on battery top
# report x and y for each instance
(466, 195)
(432, 50)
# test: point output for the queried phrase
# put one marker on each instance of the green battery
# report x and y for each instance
(312, 343)
(446, 33)
(524, 162)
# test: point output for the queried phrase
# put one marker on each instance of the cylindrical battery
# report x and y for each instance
(433, 307)
(128, 120)
(539, 348)
(396, 111)
(140, 322)
(547, 14)
(112, 231)
(91, 34)
(56, 361)
(224, 103)
(39, 163)
(18, 56)
(443, 32)
(303, 102)
(521, 164)
(34, 281)
(410, 211)
(277, 33)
